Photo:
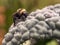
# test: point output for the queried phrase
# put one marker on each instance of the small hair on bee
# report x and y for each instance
(21, 10)
(19, 15)
(18, 9)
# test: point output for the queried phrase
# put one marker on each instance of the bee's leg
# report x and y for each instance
(14, 21)
(24, 16)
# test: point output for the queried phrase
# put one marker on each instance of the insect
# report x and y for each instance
(19, 15)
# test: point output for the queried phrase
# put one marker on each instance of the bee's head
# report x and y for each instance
(22, 11)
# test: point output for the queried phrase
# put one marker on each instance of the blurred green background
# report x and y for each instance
(10, 6)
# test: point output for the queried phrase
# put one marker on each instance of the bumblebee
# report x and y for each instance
(19, 15)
